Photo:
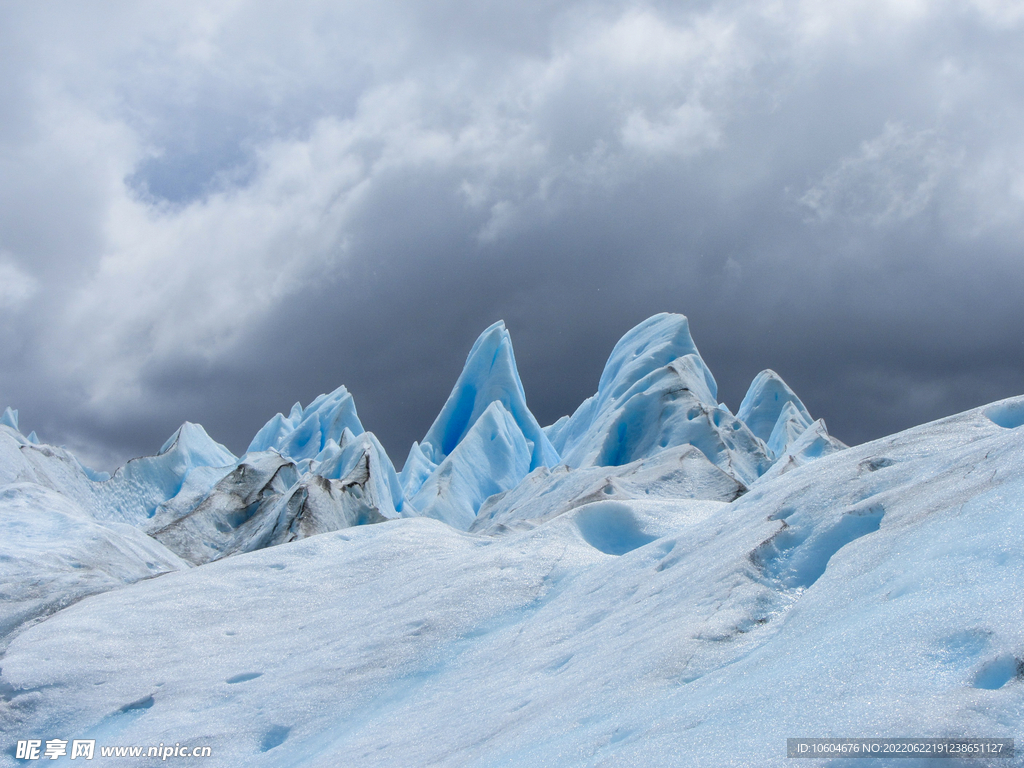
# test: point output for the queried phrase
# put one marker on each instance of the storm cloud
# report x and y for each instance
(211, 210)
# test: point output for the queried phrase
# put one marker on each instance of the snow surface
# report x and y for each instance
(53, 554)
(649, 582)
(677, 473)
(874, 592)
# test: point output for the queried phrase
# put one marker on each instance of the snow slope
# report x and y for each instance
(676, 473)
(52, 554)
(874, 591)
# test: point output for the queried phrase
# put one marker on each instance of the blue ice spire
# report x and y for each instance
(489, 376)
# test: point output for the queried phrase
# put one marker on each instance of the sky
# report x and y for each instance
(211, 210)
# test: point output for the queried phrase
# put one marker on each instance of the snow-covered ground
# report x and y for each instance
(676, 607)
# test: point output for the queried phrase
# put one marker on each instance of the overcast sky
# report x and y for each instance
(210, 210)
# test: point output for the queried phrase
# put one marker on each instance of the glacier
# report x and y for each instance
(305, 432)
(656, 392)
(650, 580)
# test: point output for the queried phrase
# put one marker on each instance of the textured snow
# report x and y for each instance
(52, 554)
(676, 473)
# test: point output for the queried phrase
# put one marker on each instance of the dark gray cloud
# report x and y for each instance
(209, 211)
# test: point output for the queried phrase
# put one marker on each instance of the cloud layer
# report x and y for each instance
(210, 210)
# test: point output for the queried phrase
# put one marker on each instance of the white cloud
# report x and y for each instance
(686, 130)
(891, 178)
(17, 287)
(1001, 13)
(342, 113)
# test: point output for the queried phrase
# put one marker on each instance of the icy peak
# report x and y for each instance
(493, 456)
(765, 402)
(653, 344)
(305, 432)
(791, 424)
(196, 447)
(141, 485)
(10, 419)
(365, 449)
(656, 393)
(489, 376)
